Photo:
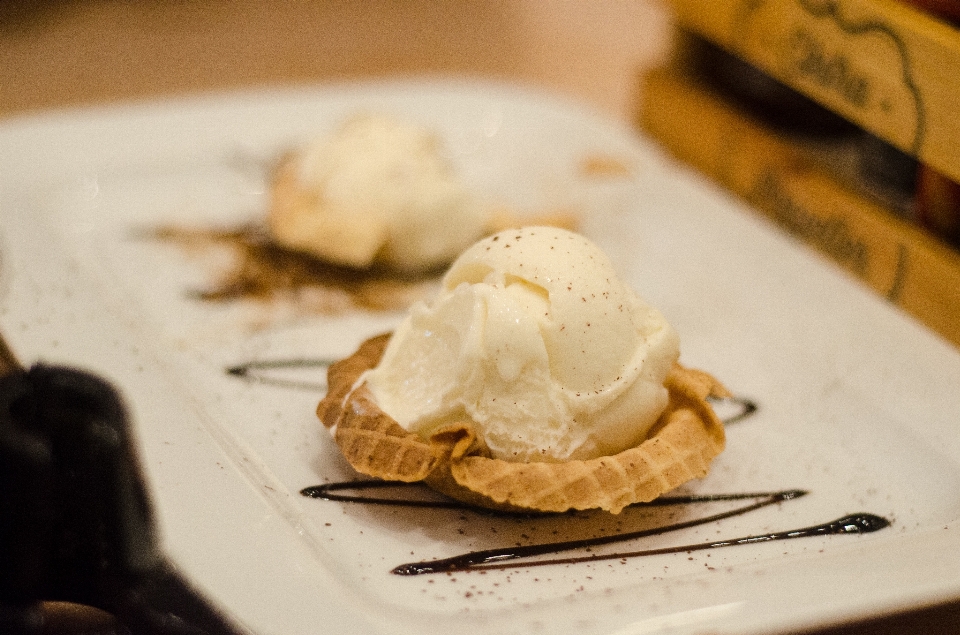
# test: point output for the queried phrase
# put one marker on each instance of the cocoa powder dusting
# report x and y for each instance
(264, 270)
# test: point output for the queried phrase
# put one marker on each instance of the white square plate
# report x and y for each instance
(857, 403)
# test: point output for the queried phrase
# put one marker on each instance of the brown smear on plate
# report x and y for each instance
(605, 166)
(260, 269)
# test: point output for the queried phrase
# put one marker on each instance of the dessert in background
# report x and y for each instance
(535, 379)
(378, 191)
(368, 218)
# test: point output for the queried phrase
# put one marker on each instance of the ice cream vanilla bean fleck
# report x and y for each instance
(535, 379)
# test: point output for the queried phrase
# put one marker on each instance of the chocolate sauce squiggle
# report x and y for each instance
(328, 491)
(747, 408)
(485, 558)
(860, 523)
(508, 557)
(258, 371)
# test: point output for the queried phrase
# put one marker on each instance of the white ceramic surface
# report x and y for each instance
(858, 404)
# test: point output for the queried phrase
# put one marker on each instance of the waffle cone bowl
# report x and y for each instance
(455, 461)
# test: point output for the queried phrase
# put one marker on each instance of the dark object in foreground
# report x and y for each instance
(75, 521)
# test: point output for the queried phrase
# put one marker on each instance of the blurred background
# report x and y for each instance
(70, 52)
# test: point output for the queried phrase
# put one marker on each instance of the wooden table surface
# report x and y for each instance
(67, 53)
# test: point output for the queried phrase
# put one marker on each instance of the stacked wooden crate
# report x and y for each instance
(840, 120)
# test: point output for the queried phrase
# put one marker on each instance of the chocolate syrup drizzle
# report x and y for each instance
(507, 557)
(496, 558)
(517, 556)
(259, 371)
(747, 408)
(859, 523)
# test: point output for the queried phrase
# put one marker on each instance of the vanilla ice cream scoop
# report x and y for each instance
(535, 341)
(377, 191)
